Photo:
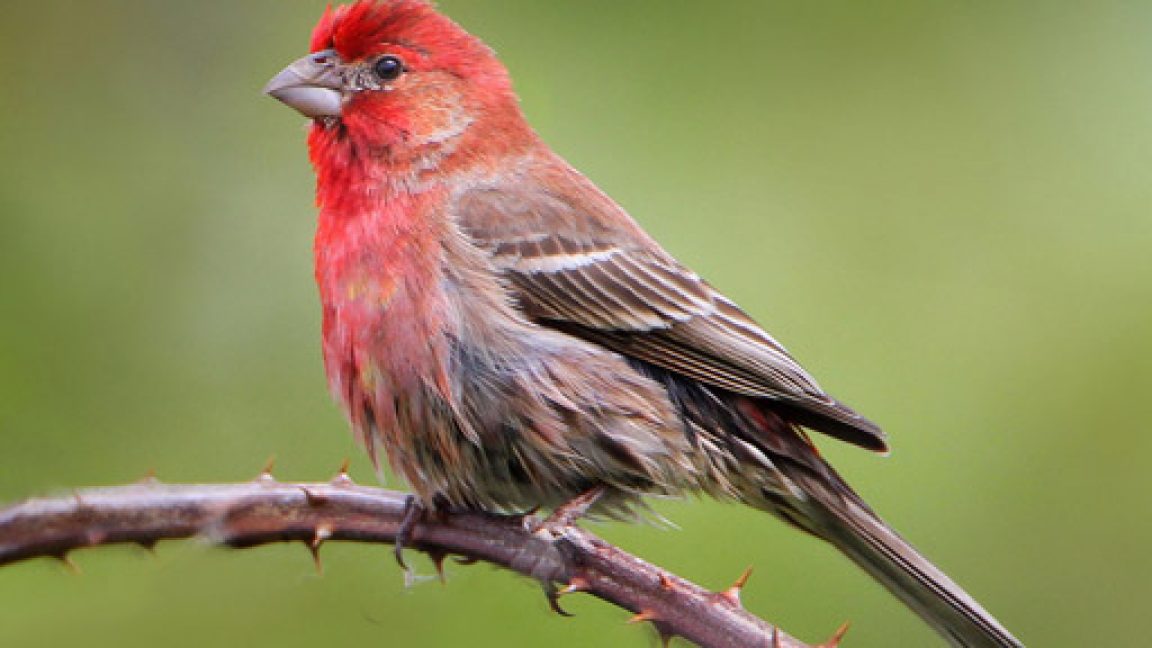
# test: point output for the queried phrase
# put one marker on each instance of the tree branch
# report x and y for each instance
(266, 511)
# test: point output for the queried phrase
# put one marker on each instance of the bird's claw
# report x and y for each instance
(413, 511)
(568, 513)
(553, 595)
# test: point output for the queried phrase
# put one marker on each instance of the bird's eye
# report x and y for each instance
(388, 68)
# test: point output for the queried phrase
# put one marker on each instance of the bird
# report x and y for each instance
(509, 338)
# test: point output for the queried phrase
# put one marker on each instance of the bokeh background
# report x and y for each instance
(943, 208)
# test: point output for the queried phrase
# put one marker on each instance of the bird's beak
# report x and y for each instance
(313, 85)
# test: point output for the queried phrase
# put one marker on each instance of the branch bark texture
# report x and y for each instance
(267, 511)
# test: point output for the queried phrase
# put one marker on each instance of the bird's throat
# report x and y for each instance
(379, 273)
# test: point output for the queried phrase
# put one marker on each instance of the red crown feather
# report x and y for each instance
(366, 27)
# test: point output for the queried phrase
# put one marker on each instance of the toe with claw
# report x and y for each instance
(413, 511)
(568, 514)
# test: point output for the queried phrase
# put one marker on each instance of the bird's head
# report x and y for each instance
(396, 78)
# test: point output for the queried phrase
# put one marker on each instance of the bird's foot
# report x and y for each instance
(413, 512)
(570, 512)
(561, 519)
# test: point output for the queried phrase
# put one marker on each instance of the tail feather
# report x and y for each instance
(847, 523)
(800, 487)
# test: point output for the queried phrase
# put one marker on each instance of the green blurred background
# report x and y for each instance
(943, 208)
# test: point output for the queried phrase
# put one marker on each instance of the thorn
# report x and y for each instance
(666, 582)
(68, 563)
(266, 473)
(575, 585)
(834, 642)
(322, 533)
(553, 596)
(437, 557)
(342, 478)
(316, 560)
(732, 594)
(147, 545)
(665, 637)
(149, 478)
(743, 580)
(644, 615)
(775, 637)
(314, 498)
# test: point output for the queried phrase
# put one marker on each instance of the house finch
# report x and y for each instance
(510, 337)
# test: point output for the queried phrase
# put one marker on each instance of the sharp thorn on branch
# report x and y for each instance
(838, 636)
(342, 477)
(437, 556)
(266, 473)
(575, 584)
(69, 564)
(319, 537)
(314, 550)
(644, 615)
(732, 594)
(149, 478)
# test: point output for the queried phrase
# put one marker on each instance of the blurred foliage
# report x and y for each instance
(942, 208)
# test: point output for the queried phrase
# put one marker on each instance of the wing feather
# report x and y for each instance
(595, 275)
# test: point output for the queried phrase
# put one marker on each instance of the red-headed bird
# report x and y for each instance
(511, 338)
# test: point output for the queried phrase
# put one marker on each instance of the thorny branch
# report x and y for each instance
(266, 511)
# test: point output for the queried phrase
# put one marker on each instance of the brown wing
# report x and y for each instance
(580, 264)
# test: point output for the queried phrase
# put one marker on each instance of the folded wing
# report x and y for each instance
(594, 274)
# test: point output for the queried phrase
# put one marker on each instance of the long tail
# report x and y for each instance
(833, 512)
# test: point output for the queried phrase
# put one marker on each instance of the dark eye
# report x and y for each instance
(388, 68)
